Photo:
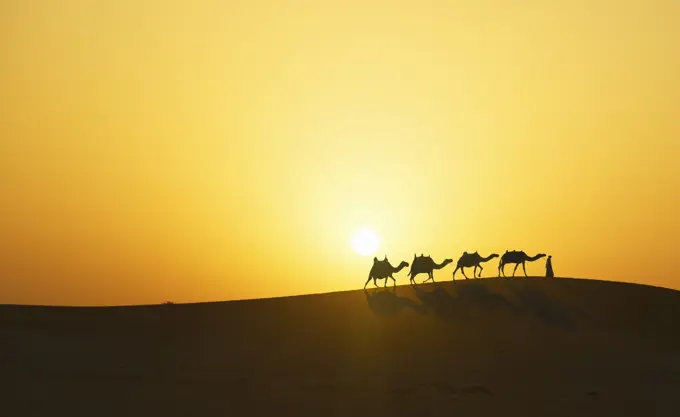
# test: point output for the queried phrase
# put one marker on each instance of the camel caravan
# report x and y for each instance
(426, 265)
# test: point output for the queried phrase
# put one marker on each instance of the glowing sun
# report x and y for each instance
(365, 242)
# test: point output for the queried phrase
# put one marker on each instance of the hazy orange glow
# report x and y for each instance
(203, 150)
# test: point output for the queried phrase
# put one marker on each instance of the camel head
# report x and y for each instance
(539, 256)
(493, 255)
(403, 264)
(446, 262)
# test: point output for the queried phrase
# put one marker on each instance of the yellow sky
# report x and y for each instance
(156, 150)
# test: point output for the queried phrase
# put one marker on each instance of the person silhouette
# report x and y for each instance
(548, 268)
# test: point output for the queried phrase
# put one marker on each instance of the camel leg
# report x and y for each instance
(525, 270)
(429, 277)
(375, 282)
(500, 268)
(385, 286)
(474, 272)
(432, 276)
(514, 270)
(367, 281)
(463, 271)
(480, 271)
(394, 280)
(454, 272)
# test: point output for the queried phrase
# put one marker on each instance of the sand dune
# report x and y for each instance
(513, 347)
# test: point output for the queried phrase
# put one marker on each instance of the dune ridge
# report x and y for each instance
(479, 347)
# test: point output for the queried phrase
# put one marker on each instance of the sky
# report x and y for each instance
(155, 150)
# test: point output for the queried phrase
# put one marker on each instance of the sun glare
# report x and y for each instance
(365, 242)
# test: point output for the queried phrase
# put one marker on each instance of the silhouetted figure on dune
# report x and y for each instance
(548, 268)
(518, 258)
(383, 270)
(425, 265)
(468, 260)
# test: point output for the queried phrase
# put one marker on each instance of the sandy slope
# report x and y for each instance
(514, 347)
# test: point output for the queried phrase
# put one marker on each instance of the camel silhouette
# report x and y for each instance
(425, 265)
(468, 260)
(383, 270)
(518, 258)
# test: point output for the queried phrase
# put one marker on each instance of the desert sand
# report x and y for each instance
(483, 347)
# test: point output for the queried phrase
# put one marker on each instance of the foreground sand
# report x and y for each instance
(486, 347)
